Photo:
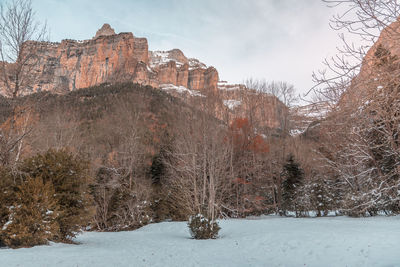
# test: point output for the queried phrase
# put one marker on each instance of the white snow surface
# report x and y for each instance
(229, 87)
(160, 58)
(260, 241)
(231, 103)
(314, 111)
(196, 64)
(180, 89)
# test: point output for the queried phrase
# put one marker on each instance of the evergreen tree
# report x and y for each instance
(157, 168)
(322, 197)
(293, 177)
(7, 198)
(33, 217)
(69, 176)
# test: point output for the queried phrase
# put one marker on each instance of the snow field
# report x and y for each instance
(260, 241)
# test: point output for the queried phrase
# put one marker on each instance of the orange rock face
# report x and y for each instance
(183, 75)
(368, 79)
(262, 109)
(110, 57)
(71, 64)
(172, 67)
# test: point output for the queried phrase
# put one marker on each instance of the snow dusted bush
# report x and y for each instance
(32, 218)
(68, 175)
(202, 227)
(44, 199)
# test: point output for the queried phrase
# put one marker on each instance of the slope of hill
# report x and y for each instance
(100, 120)
(304, 116)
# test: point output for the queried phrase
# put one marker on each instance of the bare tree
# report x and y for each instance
(359, 24)
(19, 36)
(360, 137)
(281, 96)
(284, 91)
(197, 167)
(20, 33)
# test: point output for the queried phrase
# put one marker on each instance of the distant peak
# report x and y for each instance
(105, 30)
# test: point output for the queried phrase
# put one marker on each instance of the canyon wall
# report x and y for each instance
(109, 58)
(369, 78)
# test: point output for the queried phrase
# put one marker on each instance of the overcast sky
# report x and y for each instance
(270, 39)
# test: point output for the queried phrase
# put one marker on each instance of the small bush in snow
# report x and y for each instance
(202, 227)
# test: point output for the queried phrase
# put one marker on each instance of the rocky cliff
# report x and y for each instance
(110, 57)
(71, 65)
(369, 78)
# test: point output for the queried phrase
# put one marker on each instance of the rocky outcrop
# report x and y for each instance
(71, 64)
(174, 68)
(106, 30)
(369, 78)
(109, 57)
(264, 110)
(389, 39)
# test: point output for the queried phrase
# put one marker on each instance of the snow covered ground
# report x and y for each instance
(265, 241)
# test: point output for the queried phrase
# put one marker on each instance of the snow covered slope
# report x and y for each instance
(266, 241)
(303, 116)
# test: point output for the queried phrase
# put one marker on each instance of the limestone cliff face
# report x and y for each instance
(182, 77)
(106, 30)
(203, 78)
(389, 39)
(368, 79)
(71, 65)
(262, 109)
(173, 67)
(110, 57)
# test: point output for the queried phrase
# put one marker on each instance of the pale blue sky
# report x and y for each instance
(271, 39)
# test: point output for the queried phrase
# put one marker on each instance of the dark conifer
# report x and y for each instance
(293, 177)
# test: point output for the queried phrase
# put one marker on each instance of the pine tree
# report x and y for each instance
(33, 217)
(322, 197)
(7, 198)
(68, 175)
(293, 177)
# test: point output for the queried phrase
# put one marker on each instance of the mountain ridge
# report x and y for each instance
(111, 57)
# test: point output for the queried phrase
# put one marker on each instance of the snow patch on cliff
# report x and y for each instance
(231, 103)
(196, 64)
(223, 85)
(180, 89)
(158, 58)
(303, 116)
